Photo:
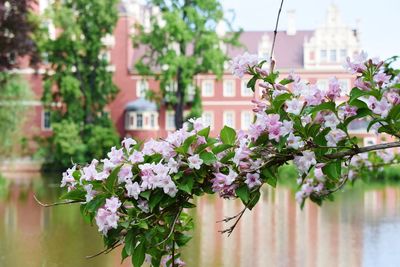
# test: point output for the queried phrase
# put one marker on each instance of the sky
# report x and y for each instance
(378, 20)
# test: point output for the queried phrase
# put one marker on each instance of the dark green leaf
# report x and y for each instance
(76, 194)
(221, 148)
(208, 157)
(228, 135)
(139, 254)
(243, 193)
(204, 132)
(112, 179)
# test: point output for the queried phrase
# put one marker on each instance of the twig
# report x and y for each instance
(355, 151)
(275, 31)
(54, 204)
(230, 229)
(105, 251)
(172, 228)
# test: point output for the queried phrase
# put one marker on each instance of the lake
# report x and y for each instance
(361, 228)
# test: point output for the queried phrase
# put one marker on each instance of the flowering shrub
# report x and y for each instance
(139, 194)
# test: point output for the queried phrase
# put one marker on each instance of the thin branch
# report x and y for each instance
(54, 204)
(275, 31)
(230, 229)
(355, 151)
(172, 228)
(106, 250)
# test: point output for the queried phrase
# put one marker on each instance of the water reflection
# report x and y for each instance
(360, 228)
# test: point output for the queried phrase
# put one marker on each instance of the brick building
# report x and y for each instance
(317, 55)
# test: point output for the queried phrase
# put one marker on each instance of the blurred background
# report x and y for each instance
(77, 76)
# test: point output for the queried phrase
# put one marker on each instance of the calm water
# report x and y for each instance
(361, 228)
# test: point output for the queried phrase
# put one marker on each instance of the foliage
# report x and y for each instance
(138, 195)
(183, 41)
(14, 91)
(79, 81)
(16, 28)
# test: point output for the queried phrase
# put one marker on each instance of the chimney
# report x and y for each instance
(291, 22)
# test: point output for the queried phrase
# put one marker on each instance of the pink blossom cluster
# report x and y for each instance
(241, 64)
(106, 217)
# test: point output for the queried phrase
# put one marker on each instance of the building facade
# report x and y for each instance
(316, 55)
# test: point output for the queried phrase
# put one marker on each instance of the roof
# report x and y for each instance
(288, 48)
(141, 104)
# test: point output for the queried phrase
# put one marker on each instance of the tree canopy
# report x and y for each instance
(183, 41)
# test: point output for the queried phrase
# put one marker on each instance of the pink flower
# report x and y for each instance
(90, 193)
(361, 84)
(198, 124)
(334, 89)
(68, 178)
(260, 106)
(358, 64)
(381, 107)
(90, 172)
(133, 189)
(331, 121)
(106, 219)
(116, 156)
(304, 162)
(222, 180)
(173, 165)
(124, 174)
(241, 63)
(314, 96)
(381, 78)
(112, 204)
(319, 175)
(393, 97)
(195, 162)
(287, 127)
(294, 106)
(335, 136)
(253, 180)
(294, 142)
(347, 111)
(128, 142)
(255, 130)
(136, 157)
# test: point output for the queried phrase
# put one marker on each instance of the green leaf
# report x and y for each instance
(227, 157)
(204, 132)
(228, 135)
(243, 193)
(356, 93)
(75, 194)
(269, 175)
(208, 157)
(254, 197)
(252, 83)
(155, 198)
(182, 239)
(324, 106)
(186, 183)
(130, 241)
(278, 101)
(333, 169)
(285, 81)
(139, 254)
(221, 148)
(95, 203)
(112, 179)
(394, 113)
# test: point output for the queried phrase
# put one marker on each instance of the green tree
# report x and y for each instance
(79, 80)
(182, 42)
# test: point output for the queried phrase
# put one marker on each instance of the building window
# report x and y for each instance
(172, 87)
(244, 90)
(229, 88)
(142, 87)
(208, 118)
(343, 54)
(46, 120)
(246, 119)
(147, 120)
(323, 55)
(312, 55)
(207, 88)
(332, 55)
(191, 92)
(229, 118)
(344, 84)
(170, 120)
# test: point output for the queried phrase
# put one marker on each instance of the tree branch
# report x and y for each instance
(54, 204)
(355, 151)
(275, 31)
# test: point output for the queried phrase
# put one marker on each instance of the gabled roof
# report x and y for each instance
(288, 48)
